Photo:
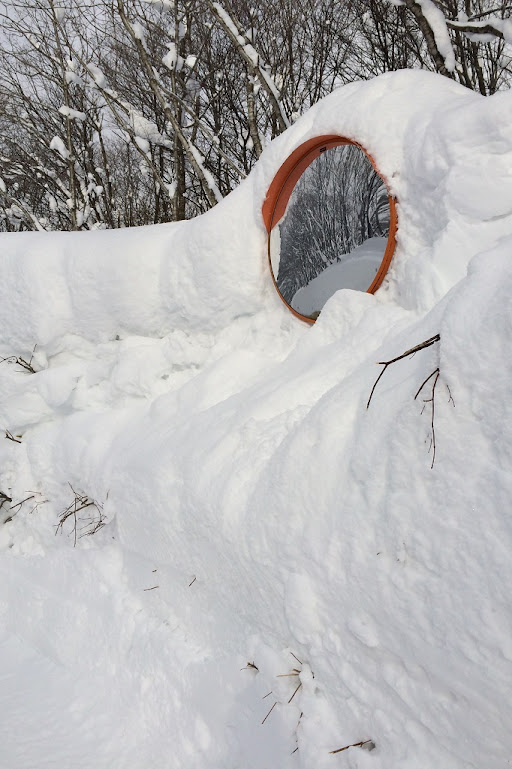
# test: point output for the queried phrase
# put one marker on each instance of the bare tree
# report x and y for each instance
(123, 112)
(465, 39)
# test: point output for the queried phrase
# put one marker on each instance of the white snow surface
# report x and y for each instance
(255, 510)
(58, 145)
(356, 270)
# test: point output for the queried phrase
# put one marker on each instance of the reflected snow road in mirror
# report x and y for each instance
(334, 231)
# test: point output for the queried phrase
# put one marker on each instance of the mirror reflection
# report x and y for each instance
(334, 231)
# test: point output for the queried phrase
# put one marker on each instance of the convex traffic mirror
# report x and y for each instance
(331, 224)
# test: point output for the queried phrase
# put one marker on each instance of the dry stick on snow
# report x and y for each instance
(431, 400)
(386, 363)
(269, 712)
(81, 502)
(3, 499)
(370, 744)
(251, 666)
(19, 361)
(27, 365)
(20, 504)
(294, 673)
(11, 437)
(295, 692)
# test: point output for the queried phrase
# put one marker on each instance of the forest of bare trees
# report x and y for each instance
(116, 113)
(338, 203)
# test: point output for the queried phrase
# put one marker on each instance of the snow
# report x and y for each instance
(145, 130)
(73, 114)
(356, 272)
(437, 22)
(138, 31)
(71, 77)
(171, 57)
(254, 510)
(252, 55)
(161, 3)
(209, 178)
(142, 144)
(58, 145)
(97, 75)
(502, 25)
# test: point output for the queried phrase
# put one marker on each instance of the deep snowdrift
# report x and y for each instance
(255, 511)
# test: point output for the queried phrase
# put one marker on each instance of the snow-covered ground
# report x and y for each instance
(356, 271)
(258, 520)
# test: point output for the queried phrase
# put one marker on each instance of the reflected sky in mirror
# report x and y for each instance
(334, 231)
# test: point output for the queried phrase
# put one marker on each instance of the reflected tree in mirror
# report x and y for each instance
(334, 231)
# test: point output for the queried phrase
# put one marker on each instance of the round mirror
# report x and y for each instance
(331, 225)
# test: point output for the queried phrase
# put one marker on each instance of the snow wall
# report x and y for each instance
(254, 510)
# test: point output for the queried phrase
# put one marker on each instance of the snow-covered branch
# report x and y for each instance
(254, 62)
(484, 31)
(211, 190)
(432, 23)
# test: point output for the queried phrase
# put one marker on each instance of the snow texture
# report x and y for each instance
(58, 145)
(254, 510)
(97, 75)
(357, 272)
(436, 19)
(72, 114)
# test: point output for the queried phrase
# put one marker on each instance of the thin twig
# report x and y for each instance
(19, 504)
(11, 437)
(18, 360)
(431, 400)
(386, 363)
(295, 692)
(151, 588)
(269, 712)
(81, 502)
(3, 499)
(354, 745)
(420, 388)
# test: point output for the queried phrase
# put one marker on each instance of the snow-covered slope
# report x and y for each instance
(354, 272)
(253, 509)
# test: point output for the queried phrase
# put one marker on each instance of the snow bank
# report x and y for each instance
(252, 509)
(356, 272)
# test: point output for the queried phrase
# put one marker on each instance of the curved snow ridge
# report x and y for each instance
(444, 155)
(147, 281)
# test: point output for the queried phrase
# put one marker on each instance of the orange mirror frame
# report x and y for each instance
(278, 195)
